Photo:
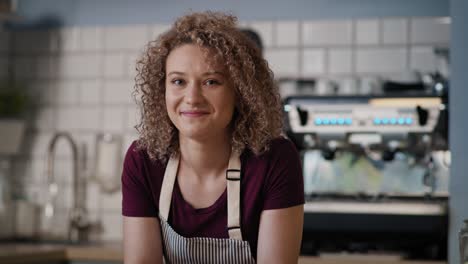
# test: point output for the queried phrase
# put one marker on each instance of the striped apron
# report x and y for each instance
(179, 249)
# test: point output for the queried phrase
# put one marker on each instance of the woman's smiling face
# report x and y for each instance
(200, 100)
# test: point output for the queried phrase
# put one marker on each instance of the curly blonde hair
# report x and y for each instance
(257, 118)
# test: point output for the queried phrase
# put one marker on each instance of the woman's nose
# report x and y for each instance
(193, 93)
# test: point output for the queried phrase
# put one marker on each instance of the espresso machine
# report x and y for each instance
(375, 173)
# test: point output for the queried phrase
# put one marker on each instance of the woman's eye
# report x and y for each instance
(212, 82)
(178, 81)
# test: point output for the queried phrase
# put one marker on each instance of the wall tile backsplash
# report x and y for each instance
(327, 33)
(287, 33)
(395, 31)
(379, 60)
(81, 79)
(367, 32)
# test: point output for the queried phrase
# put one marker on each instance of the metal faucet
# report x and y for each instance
(79, 226)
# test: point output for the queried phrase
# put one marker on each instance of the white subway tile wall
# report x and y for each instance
(111, 202)
(430, 30)
(313, 62)
(422, 58)
(378, 60)
(131, 64)
(324, 33)
(283, 62)
(128, 140)
(81, 80)
(114, 65)
(367, 32)
(68, 39)
(126, 37)
(90, 92)
(80, 66)
(133, 117)
(156, 30)
(287, 34)
(114, 119)
(77, 118)
(118, 91)
(92, 39)
(340, 61)
(395, 31)
(93, 196)
(112, 225)
(66, 92)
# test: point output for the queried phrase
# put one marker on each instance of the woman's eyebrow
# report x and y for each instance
(176, 72)
(204, 74)
(214, 73)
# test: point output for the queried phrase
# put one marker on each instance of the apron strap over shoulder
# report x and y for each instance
(167, 186)
(233, 177)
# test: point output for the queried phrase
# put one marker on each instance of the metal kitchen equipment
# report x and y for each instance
(375, 172)
(79, 223)
(108, 162)
(463, 236)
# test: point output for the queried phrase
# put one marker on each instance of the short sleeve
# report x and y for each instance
(284, 184)
(137, 199)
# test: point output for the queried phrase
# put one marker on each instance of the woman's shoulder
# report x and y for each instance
(278, 149)
(280, 144)
(137, 157)
(141, 183)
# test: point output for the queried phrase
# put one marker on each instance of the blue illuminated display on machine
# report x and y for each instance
(333, 121)
(377, 121)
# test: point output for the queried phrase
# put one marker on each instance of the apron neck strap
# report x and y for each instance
(165, 196)
(233, 177)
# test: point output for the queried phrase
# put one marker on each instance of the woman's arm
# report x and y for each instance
(142, 240)
(280, 235)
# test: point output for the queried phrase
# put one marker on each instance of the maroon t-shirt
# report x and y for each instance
(271, 180)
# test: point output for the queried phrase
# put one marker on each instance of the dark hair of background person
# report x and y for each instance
(254, 36)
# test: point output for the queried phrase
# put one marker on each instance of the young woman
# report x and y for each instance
(210, 179)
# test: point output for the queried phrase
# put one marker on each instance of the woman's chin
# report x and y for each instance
(198, 135)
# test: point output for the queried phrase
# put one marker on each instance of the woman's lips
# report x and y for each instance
(193, 113)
